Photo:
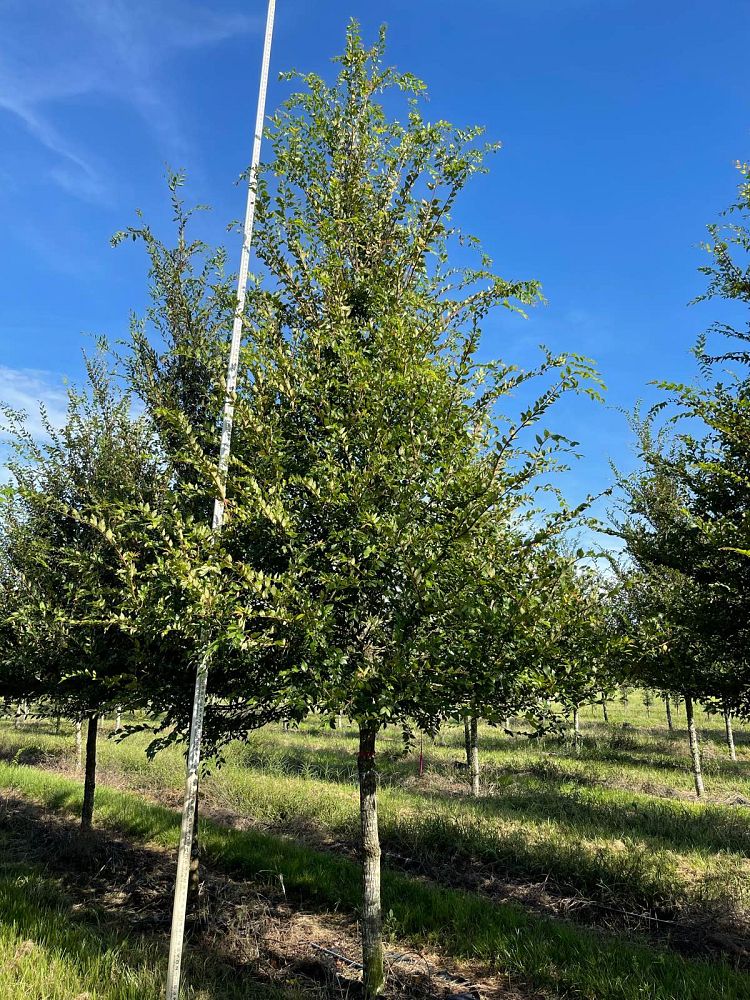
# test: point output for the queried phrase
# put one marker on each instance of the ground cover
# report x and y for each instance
(557, 834)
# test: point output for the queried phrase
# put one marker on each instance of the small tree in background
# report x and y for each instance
(62, 569)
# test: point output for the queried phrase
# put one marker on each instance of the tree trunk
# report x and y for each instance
(372, 937)
(695, 752)
(118, 719)
(79, 746)
(668, 710)
(730, 734)
(474, 756)
(467, 741)
(340, 721)
(604, 708)
(57, 725)
(194, 878)
(89, 783)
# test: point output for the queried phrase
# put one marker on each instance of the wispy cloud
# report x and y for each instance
(53, 55)
(31, 390)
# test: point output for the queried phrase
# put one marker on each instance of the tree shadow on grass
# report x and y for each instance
(587, 812)
(96, 895)
(89, 896)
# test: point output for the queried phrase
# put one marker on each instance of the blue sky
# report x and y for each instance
(620, 122)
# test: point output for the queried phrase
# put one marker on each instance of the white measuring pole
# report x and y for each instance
(176, 942)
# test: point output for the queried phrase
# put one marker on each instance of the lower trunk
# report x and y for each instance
(668, 710)
(79, 746)
(576, 727)
(730, 734)
(339, 721)
(474, 756)
(118, 719)
(194, 879)
(57, 725)
(467, 741)
(695, 752)
(604, 708)
(89, 782)
(372, 935)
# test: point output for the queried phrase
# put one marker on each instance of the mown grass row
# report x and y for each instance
(569, 961)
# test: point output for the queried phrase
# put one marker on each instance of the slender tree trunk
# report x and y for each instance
(89, 783)
(604, 708)
(668, 710)
(194, 878)
(467, 741)
(340, 721)
(57, 725)
(506, 722)
(474, 756)
(372, 936)
(730, 734)
(695, 752)
(118, 719)
(576, 728)
(79, 746)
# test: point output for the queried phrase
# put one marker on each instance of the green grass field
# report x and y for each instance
(590, 874)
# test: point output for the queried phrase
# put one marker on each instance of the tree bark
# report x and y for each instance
(372, 936)
(467, 741)
(79, 746)
(194, 879)
(474, 756)
(604, 708)
(576, 728)
(89, 782)
(668, 710)
(730, 734)
(695, 752)
(118, 719)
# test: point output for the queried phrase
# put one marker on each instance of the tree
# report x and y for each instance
(62, 571)
(687, 527)
(370, 464)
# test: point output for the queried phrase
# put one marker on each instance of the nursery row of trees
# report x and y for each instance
(396, 546)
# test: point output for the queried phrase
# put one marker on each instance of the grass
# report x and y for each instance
(614, 822)
(51, 949)
(565, 959)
